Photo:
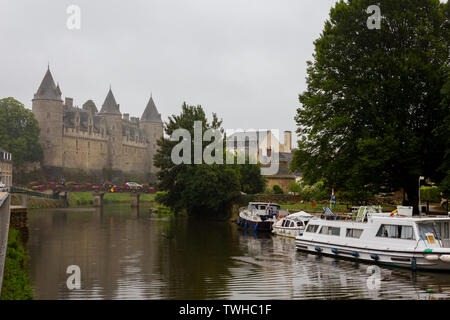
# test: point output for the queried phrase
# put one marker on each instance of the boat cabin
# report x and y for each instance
(264, 208)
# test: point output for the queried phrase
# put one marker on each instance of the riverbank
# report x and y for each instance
(16, 282)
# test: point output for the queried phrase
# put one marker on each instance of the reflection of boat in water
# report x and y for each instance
(416, 243)
(259, 216)
(291, 225)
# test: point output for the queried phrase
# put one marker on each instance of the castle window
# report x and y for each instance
(48, 115)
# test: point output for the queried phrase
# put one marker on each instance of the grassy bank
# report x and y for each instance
(77, 199)
(16, 282)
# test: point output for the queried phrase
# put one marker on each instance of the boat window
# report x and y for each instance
(292, 224)
(312, 228)
(354, 233)
(299, 224)
(444, 230)
(332, 231)
(396, 232)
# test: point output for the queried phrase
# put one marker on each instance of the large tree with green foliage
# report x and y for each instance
(206, 190)
(373, 112)
(19, 132)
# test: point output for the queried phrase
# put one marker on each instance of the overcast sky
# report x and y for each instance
(242, 59)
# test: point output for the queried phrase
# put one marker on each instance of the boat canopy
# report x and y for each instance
(301, 215)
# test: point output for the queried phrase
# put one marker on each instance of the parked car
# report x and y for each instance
(133, 186)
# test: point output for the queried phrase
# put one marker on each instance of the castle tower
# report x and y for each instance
(47, 107)
(113, 119)
(153, 127)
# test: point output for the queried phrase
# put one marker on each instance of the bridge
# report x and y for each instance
(28, 193)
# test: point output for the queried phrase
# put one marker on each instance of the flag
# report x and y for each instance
(333, 199)
(328, 212)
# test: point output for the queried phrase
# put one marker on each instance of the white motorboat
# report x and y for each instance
(259, 216)
(386, 238)
(291, 225)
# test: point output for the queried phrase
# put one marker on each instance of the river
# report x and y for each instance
(127, 253)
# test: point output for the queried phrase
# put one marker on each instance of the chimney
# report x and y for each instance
(269, 139)
(269, 143)
(287, 141)
(126, 116)
(69, 102)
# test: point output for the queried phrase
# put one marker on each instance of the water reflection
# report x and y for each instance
(127, 253)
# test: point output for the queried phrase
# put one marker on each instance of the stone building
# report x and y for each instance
(92, 140)
(262, 144)
(6, 167)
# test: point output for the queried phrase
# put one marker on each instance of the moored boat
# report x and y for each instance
(259, 216)
(291, 225)
(385, 238)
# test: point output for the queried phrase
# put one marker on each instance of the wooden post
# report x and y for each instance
(134, 199)
(98, 199)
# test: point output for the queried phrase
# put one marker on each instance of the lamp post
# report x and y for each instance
(420, 178)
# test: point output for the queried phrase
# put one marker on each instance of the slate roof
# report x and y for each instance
(69, 119)
(110, 105)
(48, 90)
(151, 114)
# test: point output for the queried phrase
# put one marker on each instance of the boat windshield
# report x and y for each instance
(264, 208)
(440, 230)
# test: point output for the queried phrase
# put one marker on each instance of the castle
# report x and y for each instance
(84, 138)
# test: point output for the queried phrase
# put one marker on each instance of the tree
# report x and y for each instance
(206, 190)
(250, 178)
(373, 111)
(19, 132)
(294, 187)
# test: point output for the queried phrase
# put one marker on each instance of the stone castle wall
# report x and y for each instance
(92, 140)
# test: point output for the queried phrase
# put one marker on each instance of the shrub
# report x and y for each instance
(16, 283)
(431, 194)
(277, 189)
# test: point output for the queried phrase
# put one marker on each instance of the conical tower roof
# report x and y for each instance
(48, 90)
(110, 105)
(151, 114)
